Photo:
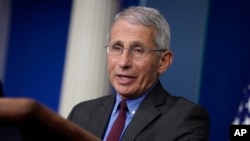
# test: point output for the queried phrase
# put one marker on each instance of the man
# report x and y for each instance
(138, 52)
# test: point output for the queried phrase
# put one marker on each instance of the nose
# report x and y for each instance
(125, 59)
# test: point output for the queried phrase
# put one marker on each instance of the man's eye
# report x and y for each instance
(116, 47)
(138, 50)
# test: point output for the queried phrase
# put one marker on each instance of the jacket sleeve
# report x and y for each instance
(193, 125)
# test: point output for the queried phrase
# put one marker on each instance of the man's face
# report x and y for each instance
(132, 76)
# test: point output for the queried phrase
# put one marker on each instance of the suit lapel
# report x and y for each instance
(101, 116)
(140, 120)
(146, 113)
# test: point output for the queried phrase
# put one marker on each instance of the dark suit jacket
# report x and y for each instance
(1, 89)
(160, 117)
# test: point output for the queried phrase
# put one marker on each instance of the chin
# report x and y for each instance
(123, 93)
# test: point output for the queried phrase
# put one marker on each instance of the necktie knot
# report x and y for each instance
(123, 105)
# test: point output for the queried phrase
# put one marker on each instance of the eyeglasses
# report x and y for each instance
(137, 52)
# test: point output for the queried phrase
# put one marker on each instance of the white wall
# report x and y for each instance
(85, 73)
(5, 7)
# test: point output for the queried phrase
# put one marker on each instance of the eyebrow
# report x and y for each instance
(138, 43)
(134, 43)
(117, 43)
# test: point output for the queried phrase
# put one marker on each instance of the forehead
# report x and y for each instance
(123, 31)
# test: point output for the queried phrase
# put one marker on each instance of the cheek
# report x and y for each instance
(111, 64)
(148, 70)
(110, 67)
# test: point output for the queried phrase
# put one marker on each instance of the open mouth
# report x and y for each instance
(124, 79)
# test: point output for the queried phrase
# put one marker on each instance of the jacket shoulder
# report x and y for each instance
(87, 107)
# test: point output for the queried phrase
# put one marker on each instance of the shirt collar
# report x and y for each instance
(132, 104)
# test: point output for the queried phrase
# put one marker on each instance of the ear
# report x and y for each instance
(166, 59)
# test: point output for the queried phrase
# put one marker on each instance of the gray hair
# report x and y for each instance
(151, 18)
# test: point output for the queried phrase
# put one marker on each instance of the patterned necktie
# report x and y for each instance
(117, 128)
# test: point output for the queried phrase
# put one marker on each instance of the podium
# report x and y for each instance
(23, 119)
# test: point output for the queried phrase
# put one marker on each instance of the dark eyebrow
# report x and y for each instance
(133, 44)
(137, 43)
(117, 43)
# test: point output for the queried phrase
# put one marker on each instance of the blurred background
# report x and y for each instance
(53, 51)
